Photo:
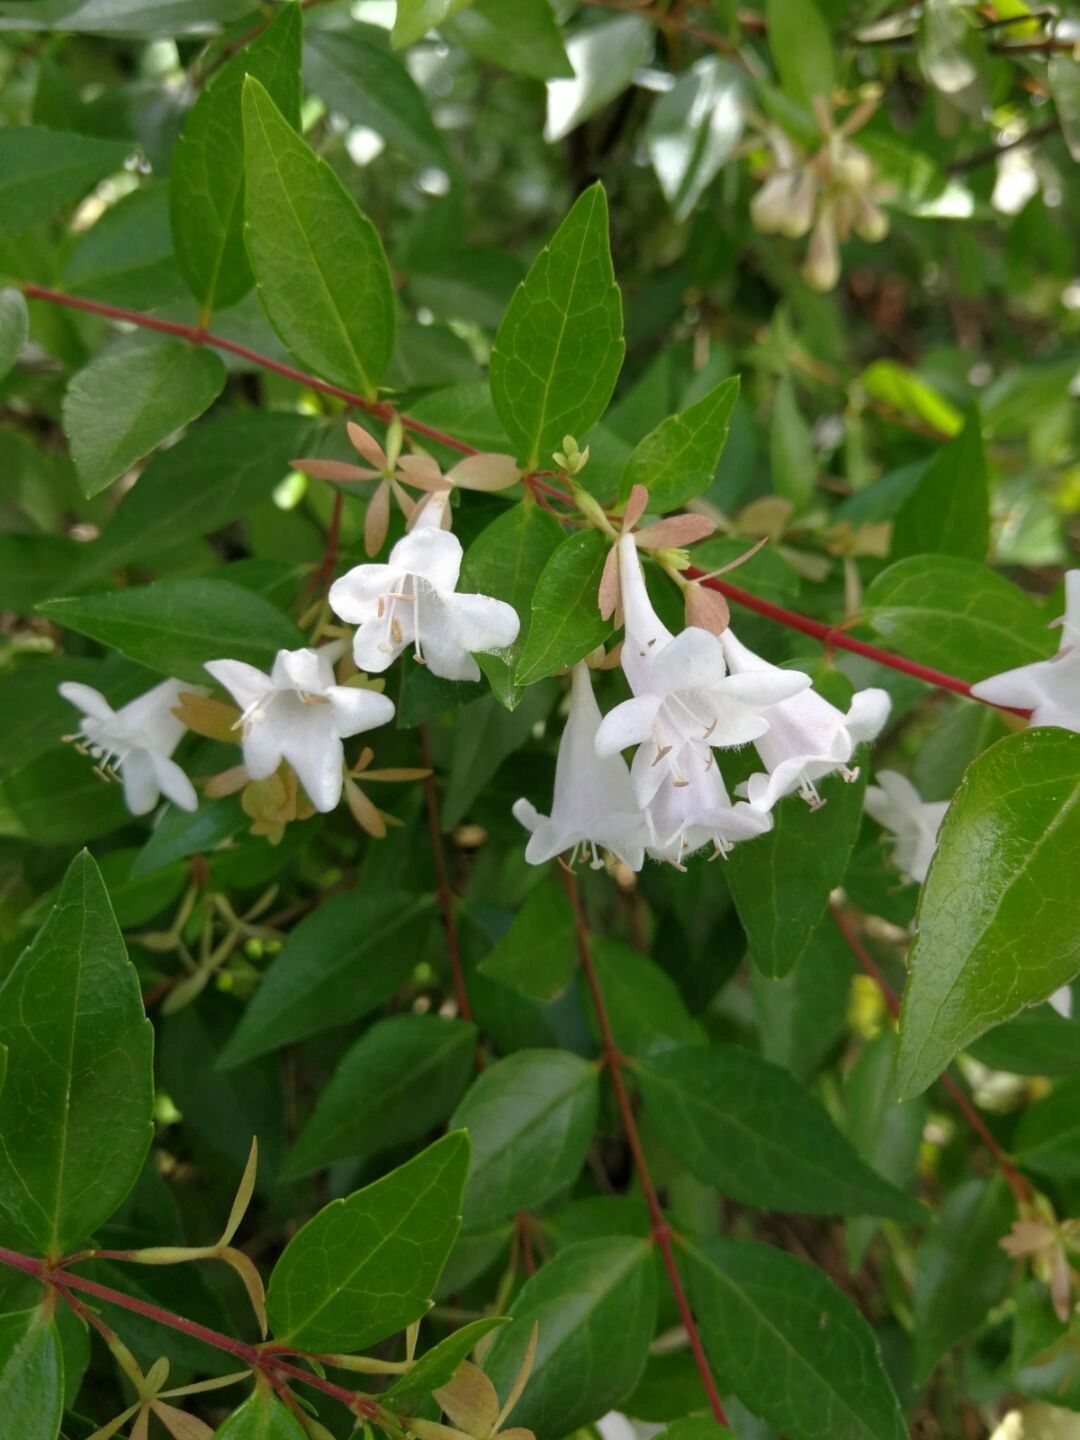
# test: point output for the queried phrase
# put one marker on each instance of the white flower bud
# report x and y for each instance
(821, 269)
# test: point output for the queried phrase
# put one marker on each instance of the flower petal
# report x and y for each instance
(354, 597)
(630, 723)
(356, 710)
(430, 553)
(244, 683)
(89, 701)
(141, 789)
(173, 783)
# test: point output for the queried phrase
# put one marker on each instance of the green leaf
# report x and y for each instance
(173, 626)
(355, 75)
(645, 1009)
(801, 49)
(14, 328)
(214, 476)
(948, 512)
(321, 272)
(566, 623)
(802, 1015)
(595, 1305)
(604, 58)
(961, 1271)
(336, 965)
(131, 397)
(262, 1416)
(559, 348)
(794, 1349)
(366, 1267)
(957, 616)
(31, 1375)
(791, 447)
(400, 1079)
(998, 927)
(1038, 1041)
(696, 1427)
(950, 52)
(43, 170)
(693, 129)
(676, 461)
(141, 18)
(524, 37)
(34, 567)
(57, 798)
(781, 881)
(486, 735)
(75, 1114)
(531, 1119)
(536, 955)
(749, 1128)
(126, 257)
(437, 1365)
(1063, 73)
(1048, 1136)
(908, 393)
(414, 18)
(206, 182)
(506, 561)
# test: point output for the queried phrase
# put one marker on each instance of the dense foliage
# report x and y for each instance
(467, 465)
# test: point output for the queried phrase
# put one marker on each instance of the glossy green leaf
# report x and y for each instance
(781, 881)
(126, 257)
(506, 560)
(957, 616)
(400, 1079)
(559, 348)
(604, 58)
(803, 1014)
(414, 18)
(524, 37)
(144, 19)
(998, 929)
(536, 955)
(321, 272)
(911, 395)
(75, 1113)
(566, 623)
(31, 1375)
(948, 512)
(792, 1347)
(357, 76)
(14, 328)
(173, 626)
(437, 1365)
(749, 1128)
(961, 1271)
(595, 1305)
(41, 171)
(131, 397)
(531, 1119)
(487, 734)
(337, 964)
(693, 129)
(801, 49)
(207, 180)
(33, 568)
(262, 1416)
(645, 1010)
(1048, 1136)
(676, 461)
(1038, 1041)
(366, 1267)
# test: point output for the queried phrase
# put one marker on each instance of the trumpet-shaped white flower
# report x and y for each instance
(682, 819)
(300, 714)
(1050, 689)
(913, 822)
(136, 741)
(412, 600)
(685, 703)
(807, 737)
(594, 801)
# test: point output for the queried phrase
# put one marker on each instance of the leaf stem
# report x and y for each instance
(661, 1231)
(442, 883)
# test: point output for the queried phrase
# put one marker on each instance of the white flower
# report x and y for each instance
(1050, 689)
(594, 802)
(136, 741)
(807, 737)
(1062, 1001)
(299, 714)
(681, 819)
(412, 601)
(685, 703)
(899, 808)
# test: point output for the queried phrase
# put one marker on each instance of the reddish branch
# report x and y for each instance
(1016, 1182)
(661, 1232)
(263, 1358)
(442, 883)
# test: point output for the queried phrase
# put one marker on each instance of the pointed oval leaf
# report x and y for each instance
(75, 1112)
(42, 170)
(998, 921)
(948, 512)
(262, 1416)
(367, 1266)
(676, 461)
(31, 1375)
(14, 328)
(566, 622)
(321, 272)
(437, 1365)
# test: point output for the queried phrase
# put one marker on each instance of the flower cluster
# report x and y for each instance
(692, 694)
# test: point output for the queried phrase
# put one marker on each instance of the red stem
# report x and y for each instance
(259, 1358)
(442, 883)
(661, 1232)
(1016, 1182)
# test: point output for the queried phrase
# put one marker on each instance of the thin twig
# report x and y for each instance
(442, 883)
